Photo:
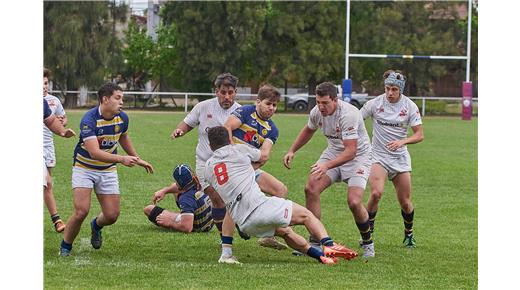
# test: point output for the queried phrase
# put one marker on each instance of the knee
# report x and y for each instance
(311, 192)
(283, 232)
(353, 203)
(81, 213)
(148, 209)
(376, 194)
(111, 217)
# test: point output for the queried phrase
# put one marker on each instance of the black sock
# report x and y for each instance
(327, 241)
(315, 252)
(364, 230)
(66, 245)
(372, 219)
(408, 221)
(55, 217)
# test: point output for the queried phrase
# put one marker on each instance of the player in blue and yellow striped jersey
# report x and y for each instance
(194, 204)
(103, 128)
(252, 125)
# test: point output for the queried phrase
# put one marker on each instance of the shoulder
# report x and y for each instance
(90, 115)
(123, 116)
(409, 102)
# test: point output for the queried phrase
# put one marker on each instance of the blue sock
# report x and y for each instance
(327, 241)
(66, 245)
(95, 225)
(226, 240)
(315, 252)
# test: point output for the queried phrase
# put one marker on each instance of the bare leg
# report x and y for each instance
(272, 186)
(313, 189)
(81, 201)
(109, 209)
(303, 216)
(377, 186)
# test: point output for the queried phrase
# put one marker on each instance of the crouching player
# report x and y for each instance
(230, 173)
(194, 204)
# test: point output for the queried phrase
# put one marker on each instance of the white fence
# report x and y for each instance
(187, 96)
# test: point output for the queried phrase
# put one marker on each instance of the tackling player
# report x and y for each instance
(252, 125)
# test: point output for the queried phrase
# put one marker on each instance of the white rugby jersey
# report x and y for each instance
(57, 109)
(207, 114)
(391, 121)
(345, 123)
(230, 172)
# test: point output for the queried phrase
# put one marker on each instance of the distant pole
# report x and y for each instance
(152, 20)
(467, 87)
(346, 85)
(347, 33)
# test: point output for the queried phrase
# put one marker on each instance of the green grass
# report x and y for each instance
(137, 254)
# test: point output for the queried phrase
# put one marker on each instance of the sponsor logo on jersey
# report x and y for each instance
(209, 116)
(383, 123)
(350, 128)
(250, 136)
(264, 131)
(117, 128)
(381, 110)
(100, 131)
(402, 113)
(337, 129)
(360, 171)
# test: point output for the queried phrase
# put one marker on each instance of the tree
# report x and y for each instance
(77, 44)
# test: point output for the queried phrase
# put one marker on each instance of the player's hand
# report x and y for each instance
(68, 133)
(318, 169)
(177, 133)
(287, 159)
(129, 160)
(394, 145)
(158, 196)
(164, 220)
(146, 165)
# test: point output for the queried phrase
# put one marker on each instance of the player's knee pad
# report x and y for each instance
(154, 213)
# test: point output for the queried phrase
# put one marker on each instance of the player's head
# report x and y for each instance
(267, 100)
(184, 177)
(326, 98)
(394, 84)
(226, 89)
(46, 76)
(111, 97)
(218, 137)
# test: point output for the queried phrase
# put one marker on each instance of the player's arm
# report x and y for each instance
(265, 152)
(348, 154)
(96, 153)
(126, 144)
(416, 137)
(57, 127)
(231, 124)
(159, 194)
(63, 119)
(181, 130)
(303, 137)
(185, 225)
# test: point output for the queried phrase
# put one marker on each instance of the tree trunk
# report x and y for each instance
(71, 101)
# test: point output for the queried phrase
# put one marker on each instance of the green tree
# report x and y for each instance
(77, 44)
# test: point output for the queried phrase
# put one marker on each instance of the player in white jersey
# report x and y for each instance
(207, 114)
(392, 114)
(230, 172)
(347, 157)
(49, 155)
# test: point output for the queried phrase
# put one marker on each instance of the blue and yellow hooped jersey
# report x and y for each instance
(107, 133)
(253, 130)
(199, 204)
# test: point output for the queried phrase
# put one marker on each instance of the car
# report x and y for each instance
(300, 102)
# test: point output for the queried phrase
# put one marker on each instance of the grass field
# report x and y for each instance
(138, 255)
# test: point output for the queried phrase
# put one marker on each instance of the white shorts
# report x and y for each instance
(49, 156)
(274, 213)
(103, 182)
(45, 173)
(359, 168)
(200, 167)
(394, 165)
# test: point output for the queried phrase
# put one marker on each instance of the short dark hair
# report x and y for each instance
(226, 79)
(327, 89)
(46, 73)
(107, 90)
(268, 92)
(218, 137)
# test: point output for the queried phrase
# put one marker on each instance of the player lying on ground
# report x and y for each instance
(194, 204)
